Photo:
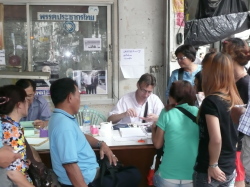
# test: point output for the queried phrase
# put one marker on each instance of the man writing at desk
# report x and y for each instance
(139, 106)
(39, 110)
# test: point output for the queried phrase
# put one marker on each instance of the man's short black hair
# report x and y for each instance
(25, 83)
(61, 88)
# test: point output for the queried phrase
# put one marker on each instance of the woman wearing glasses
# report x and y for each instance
(186, 55)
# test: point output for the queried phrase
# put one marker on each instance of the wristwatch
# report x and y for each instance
(99, 144)
(213, 165)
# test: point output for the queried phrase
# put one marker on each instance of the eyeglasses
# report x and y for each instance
(181, 58)
(30, 96)
(145, 91)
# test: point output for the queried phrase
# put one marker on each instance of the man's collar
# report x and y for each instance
(58, 110)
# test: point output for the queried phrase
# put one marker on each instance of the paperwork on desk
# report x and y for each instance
(132, 132)
(129, 134)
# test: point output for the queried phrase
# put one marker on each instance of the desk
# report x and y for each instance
(133, 153)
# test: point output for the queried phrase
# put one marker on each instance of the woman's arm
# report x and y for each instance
(157, 136)
(214, 148)
(18, 178)
(7, 156)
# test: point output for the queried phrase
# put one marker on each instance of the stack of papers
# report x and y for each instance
(132, 132)
(27, 124)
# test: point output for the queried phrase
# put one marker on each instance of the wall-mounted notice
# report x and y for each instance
(92, 44)
(132, 62)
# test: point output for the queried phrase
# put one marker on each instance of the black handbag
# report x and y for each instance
(116, 176)
(109, 169)
(41, 175)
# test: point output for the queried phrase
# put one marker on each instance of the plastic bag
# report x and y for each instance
(209, 30)
(210, 8)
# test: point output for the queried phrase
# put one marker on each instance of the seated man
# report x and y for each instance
(73, 159)
(139, 106)
(39, 110)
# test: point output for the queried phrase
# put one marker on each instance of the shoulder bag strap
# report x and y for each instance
(145, 112)
(180, 73)
(187, 113)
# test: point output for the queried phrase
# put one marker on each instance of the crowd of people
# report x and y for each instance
(204, 143)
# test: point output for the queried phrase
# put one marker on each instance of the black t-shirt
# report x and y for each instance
(242, 87)
(216, 106)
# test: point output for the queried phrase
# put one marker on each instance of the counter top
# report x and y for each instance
(112, 141)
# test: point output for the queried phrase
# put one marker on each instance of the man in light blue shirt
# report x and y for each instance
(72, 156)
(65, 147)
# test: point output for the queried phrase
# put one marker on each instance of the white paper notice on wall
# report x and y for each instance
(92, 44)
(2, 57)
(132, 62)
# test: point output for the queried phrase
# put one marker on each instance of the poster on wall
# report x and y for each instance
(91, 81)
(43, 87)
(178, 6)
(92, 44)
(132, 62)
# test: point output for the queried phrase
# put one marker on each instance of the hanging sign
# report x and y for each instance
(50, 16)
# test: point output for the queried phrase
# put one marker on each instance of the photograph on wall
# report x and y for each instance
(92, 44)
(43, 86)
(91, 81)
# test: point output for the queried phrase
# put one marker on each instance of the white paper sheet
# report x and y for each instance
(132, 62)
(92, 44)
(132, 71)
(132, 132)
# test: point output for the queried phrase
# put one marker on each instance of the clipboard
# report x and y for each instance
(37, 141)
